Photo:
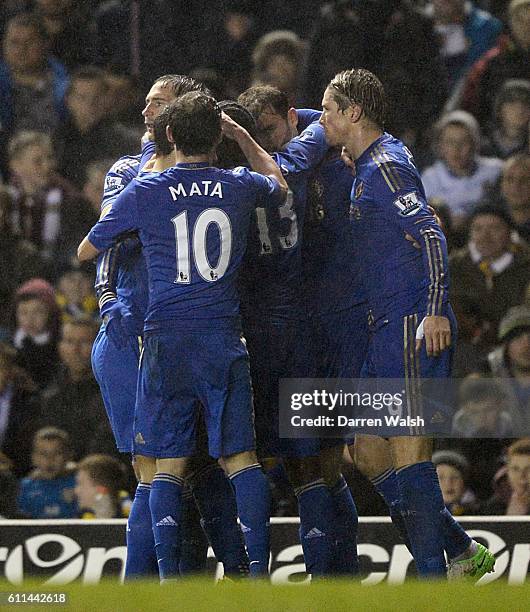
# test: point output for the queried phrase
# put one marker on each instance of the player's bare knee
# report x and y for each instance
(136, 469)
(144, 468)
(410, 450)
(175, 466)
(371, 455)
(239, 461)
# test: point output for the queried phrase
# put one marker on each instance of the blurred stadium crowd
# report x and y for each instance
(72, 80)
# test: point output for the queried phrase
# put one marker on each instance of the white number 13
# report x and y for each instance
(286, 211)
(203, 266)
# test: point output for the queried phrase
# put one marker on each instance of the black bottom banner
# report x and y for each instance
(63, 551)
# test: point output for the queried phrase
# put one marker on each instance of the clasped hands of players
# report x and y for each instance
(120, 323)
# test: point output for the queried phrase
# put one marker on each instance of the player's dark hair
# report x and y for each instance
(195, 123)
(229, 153)
(162, 144)
(362, 87)
(261, 98)
(181, 84)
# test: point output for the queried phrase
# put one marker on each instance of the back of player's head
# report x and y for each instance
(180, 84)
(162, 144)
(229, 153)
(360, 86)
(262, 98)
(195, 123)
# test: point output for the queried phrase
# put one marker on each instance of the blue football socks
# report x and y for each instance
(456, 541)
(386, 485)
(423, 508)
(317, 525)
(141, 558)
(345, 560)
(215, 498)
(194, 545)
(253, 499)
(166, 507)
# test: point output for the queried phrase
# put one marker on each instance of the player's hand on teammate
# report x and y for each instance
(149, 165)
(437, 335)
(120, 324)
(348, 160)
(147, 137)
(230, 128)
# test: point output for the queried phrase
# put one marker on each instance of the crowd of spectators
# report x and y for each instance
(72, 80)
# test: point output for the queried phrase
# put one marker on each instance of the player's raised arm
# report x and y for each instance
(306, 116)
(259, 160)
(304, 152)
(120, 218)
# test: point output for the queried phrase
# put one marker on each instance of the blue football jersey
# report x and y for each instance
(270, 282)
(121, 270)
(387, 202)
(192, 221)
(331, 260)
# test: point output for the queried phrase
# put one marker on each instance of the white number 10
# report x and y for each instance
(203, 266)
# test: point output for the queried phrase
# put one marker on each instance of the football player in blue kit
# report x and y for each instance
(121, 285)
(412, 324)
(192, 220)
(274, 317)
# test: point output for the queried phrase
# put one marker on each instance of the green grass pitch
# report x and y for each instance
(331, 596)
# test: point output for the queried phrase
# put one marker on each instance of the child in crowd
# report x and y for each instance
(452, 468)
(46, 209)
(517, 502)
(35, 337)
(99, 483)
(48, 492)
